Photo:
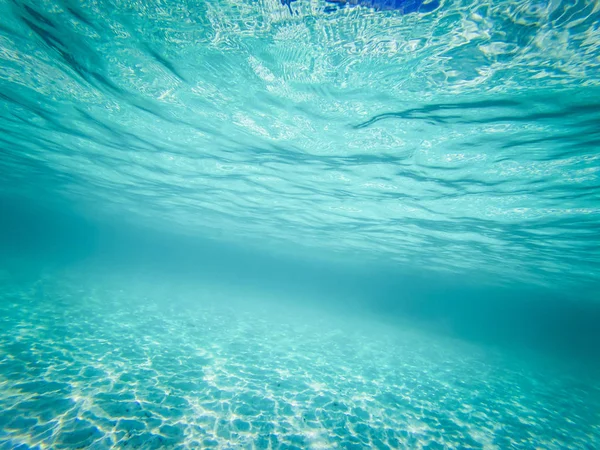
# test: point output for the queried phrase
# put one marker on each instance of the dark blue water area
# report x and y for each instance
(403, 6)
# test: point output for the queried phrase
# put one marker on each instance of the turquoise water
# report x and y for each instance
(299, 224)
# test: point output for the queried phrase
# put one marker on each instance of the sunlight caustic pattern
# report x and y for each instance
(112, 367)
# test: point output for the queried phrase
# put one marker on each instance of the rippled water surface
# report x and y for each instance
(462, 138)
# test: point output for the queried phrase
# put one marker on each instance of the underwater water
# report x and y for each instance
(299, 224)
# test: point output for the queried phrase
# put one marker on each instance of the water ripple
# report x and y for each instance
(460, 139)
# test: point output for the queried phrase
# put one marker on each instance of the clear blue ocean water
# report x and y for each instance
(275, 224)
